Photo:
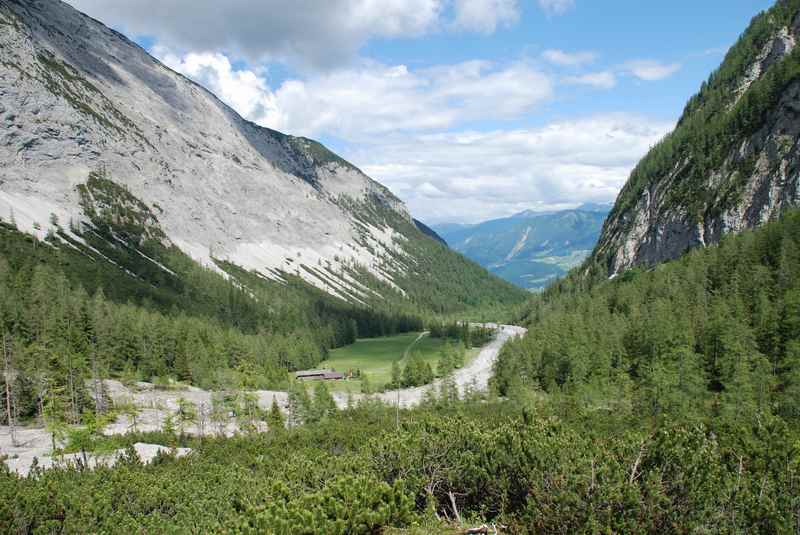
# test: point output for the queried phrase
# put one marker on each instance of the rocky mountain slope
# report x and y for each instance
(530, 249)
(732, 162)
(99, 134)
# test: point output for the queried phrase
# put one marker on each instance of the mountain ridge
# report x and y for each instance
(730, 164)
(529, 248)
(81, 100)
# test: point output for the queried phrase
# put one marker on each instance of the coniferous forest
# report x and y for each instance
(715, 335)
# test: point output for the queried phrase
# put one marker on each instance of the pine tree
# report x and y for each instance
(445, 364)
(299, 403)
(9, 377)
(366, 385)
(219, 413)
(323, 403)
(53, 415)
(275, 418)
(186, 414)
(461, 355)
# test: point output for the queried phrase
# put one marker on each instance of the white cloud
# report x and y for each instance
(243, 90)
(556, 7)
(358, 102)
(600, 79)
(568, 59)
(311, 33)
(492, 174)
(401, 124)
(485, 16)
(650, 70)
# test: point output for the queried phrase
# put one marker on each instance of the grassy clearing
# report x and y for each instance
(374, 357)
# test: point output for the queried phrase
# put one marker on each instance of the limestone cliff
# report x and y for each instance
(78, 99)
(733, 161)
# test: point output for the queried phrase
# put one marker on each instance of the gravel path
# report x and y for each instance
(475, 375)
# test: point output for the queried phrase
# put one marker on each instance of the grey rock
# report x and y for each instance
(81, 97)
(655, 230)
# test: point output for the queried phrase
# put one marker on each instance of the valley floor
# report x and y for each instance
(155, 405)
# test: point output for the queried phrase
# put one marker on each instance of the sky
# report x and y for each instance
(466, 109)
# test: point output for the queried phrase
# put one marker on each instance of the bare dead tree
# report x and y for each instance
(73, 396)
(9, 375)
(202, 418)
(99, 402)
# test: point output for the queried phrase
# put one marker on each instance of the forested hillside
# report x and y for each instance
(112, 296)
(109, 299)
(712, 336)
(67, 316)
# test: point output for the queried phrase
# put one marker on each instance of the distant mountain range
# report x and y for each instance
(530, 248)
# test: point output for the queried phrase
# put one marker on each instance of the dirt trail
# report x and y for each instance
(412, 344)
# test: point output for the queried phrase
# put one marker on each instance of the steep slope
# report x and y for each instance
(428, 231)
(731, 163)
(530, 249)
(87, 113)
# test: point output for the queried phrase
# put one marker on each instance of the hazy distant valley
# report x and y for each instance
(530, 249)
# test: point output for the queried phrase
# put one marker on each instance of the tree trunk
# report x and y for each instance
(98, 385)
(8, 375)
(72, 395)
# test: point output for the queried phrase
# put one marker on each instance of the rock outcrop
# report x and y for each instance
(732, 163)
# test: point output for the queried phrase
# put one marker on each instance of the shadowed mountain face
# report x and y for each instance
(99, 133)
(529, 249)
(732, 163)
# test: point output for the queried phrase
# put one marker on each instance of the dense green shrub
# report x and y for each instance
(355, 472)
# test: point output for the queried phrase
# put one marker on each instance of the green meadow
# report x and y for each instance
(374, 357)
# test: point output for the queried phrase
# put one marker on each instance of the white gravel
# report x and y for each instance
(475, 375)
(146, 452)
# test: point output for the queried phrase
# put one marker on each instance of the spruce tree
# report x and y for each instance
(275, 418)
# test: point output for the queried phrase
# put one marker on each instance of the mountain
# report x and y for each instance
(732, 162)
(104, 148)
(530, 248)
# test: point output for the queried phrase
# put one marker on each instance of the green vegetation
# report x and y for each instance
(112, 208)
(714, 124)
(376, 358)
(714, 335)
(357, 472)
(530, 249)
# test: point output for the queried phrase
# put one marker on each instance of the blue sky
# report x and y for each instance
(466, 109)
(694, 34)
